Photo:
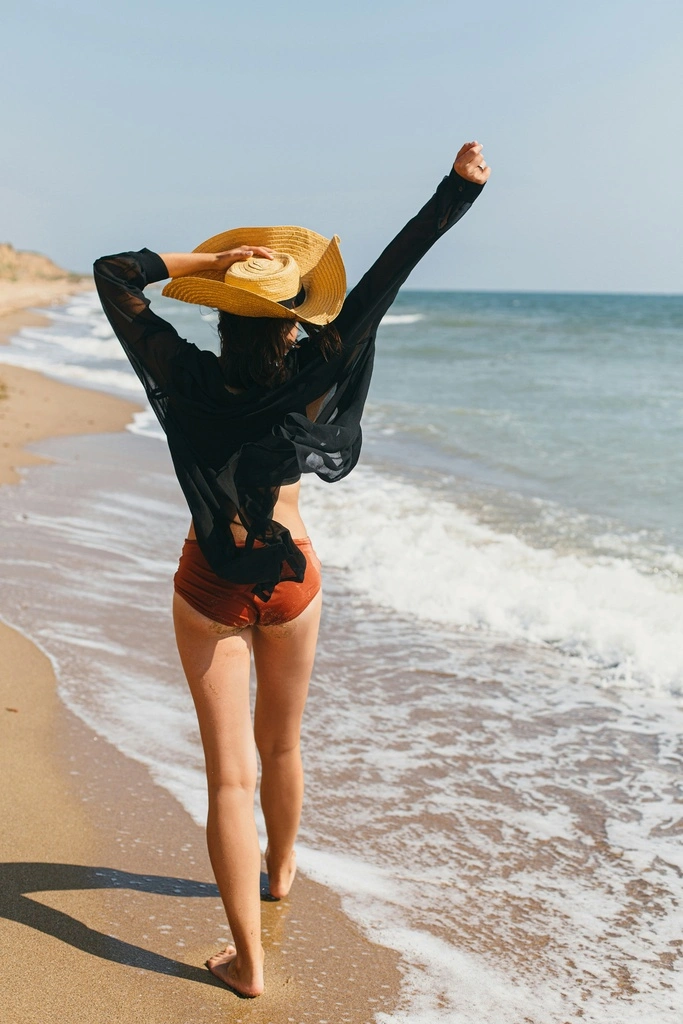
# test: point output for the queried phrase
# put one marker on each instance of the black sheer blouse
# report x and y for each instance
(232, 452)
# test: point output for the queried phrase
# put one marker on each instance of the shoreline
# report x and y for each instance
(34, 407)
(125, 910)
(17, 297)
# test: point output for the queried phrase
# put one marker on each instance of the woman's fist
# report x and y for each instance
(470, 164)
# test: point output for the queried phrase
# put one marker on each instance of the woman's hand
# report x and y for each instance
(224, 260)
(180, 264)
(470, 164)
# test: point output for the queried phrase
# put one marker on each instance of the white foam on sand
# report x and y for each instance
(118, 382)
(146, 424)
(442, 983)
(78, 347)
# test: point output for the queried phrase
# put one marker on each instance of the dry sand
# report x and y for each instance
(109, 910)
(16, 296)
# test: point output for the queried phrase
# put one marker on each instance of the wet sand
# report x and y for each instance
(33, 407)
(109, 906)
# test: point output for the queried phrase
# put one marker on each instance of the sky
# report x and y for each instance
(159, 124)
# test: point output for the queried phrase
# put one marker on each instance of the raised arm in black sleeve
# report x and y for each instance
(149, 342)
(367, 303)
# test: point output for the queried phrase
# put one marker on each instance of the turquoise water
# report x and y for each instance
(573, 398)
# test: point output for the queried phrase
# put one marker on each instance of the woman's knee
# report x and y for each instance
(273, 745)
(231, 776)
(231, 786)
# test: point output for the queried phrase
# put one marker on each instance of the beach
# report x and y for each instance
(109, 909)
(491, 829)
(492, 742)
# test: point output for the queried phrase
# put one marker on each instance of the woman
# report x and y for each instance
(241, 428)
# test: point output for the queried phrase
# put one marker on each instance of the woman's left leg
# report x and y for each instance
(216, 661)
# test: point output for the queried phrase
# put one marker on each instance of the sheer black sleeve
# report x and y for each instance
(367, 303)
(149, 342)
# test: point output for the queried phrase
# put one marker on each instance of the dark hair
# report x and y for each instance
(253, 348)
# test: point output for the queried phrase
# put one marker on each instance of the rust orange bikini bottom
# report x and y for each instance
(233, 604)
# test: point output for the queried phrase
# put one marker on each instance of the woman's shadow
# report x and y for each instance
(18, 879)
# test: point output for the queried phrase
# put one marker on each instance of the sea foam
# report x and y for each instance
(423, 556)
(401, 318)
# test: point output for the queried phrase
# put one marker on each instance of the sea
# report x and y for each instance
(493, 742)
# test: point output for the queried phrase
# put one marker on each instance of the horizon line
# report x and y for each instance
(539, 291)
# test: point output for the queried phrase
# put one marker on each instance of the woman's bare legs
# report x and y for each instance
(216, 661)
(283, 656)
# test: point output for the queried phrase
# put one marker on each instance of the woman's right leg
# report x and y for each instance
(216, 661)
(283, 656)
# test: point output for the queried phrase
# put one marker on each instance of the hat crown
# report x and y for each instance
(276, 279)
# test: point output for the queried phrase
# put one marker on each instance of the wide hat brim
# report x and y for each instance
(322, 276)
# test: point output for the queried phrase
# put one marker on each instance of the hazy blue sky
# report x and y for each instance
(148, 123)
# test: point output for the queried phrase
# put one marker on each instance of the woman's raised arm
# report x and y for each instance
(367, 303)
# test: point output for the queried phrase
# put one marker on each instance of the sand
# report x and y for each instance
(109, 907)
(16, 296)
(33, 407)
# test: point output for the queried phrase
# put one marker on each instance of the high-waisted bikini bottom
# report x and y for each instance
(234, 604)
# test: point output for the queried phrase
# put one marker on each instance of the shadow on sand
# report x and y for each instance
(18, 879)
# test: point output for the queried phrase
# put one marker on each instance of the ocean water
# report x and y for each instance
(493, 739)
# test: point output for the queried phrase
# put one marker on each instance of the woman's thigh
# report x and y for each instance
(283, 656)
(216, 660)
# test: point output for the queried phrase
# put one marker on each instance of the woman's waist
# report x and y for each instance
(301, 542)
(294, 524)
(285, 513)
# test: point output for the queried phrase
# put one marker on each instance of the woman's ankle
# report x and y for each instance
(250, 958)
(277, 857)
(281, 872)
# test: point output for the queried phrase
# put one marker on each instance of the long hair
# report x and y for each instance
(254, 348)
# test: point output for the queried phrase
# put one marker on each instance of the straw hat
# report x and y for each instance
(304, 281)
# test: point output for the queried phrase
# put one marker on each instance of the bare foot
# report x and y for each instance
(246, 983)
(280, 876)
